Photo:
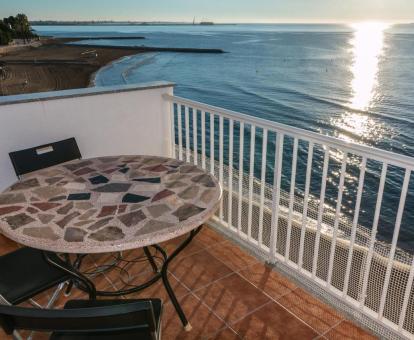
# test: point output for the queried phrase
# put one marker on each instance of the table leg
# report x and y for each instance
(164, 275)
(150, 259)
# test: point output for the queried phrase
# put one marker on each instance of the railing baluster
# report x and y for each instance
(354, 225)
(395, 235)
(195, 136)
(262, 186)
(373, 234)
(212, 161)
(172, 130)
(337, 217)
(320, 212)
(291, 197)
(241, 172)
(276, 195)
(187, 133)
(221, 152)
(203, 139)
(230, 200)
(305, 204)
(180, 132)
(251, 176)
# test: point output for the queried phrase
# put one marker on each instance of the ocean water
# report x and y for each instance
(354, 82)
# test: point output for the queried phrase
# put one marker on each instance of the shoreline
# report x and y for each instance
(54, 66)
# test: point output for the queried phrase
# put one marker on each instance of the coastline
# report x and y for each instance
(55, 66)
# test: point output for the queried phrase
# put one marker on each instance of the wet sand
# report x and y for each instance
(54, 66)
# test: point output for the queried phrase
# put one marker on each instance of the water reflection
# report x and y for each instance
(367, 48)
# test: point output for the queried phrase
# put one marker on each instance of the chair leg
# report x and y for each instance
(55, 295)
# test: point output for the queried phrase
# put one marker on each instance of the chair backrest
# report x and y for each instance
(44, 156)
(125, 316)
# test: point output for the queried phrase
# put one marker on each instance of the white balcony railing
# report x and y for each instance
(330, 211)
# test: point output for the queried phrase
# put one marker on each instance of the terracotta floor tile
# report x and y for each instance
(157, 290)
(347, 330)
(203, 322)
(233, 256)
(273, 322)
(209, 237)
(268, 280)
(232, 298)
(3, 335)
(315, 313)
(226, 334)
(199, 269)
(193, 247)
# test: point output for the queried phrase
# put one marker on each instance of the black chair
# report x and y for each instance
(44, 156)
(99, 319)
(25, 272)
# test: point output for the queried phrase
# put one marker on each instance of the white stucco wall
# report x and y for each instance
(104, 121)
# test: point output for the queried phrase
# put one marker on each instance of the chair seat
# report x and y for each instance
(120, 335)
(25, 273)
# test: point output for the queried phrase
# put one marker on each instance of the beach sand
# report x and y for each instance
(53, 66)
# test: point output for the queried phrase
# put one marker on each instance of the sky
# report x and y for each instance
(220, 11)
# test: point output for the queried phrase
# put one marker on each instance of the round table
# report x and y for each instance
(110, 204)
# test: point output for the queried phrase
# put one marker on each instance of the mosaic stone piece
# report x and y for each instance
(49, 192)
(154, 226)
(77, 165)
(100, 223)
(190, 169)
(74, 234)
(19, 220)
(114, 187)
(65, 209)
(158, 210)
(132, 198)
(53, 180)
(30, 183)
(108, 234)
(87, 214)
(132, 218)
(157, 168)
(148, 180)
(45, 218)
(207, 196)
(12, 199)
(45, 206)
(8, 210)
(64, 221)
(98, 180)
(31, 210)
(175, 184)
(79, 197)
(58, 198)
(83, 205)
(122, 208)
(189, 192)
(205, 180)
(108, 210)
(41, 232)
(83, 171)
(124, 170)
(186, 211)
(162, 194)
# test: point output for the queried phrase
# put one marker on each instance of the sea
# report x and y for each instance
(354, 82)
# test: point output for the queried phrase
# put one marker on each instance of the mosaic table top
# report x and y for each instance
(108, 204)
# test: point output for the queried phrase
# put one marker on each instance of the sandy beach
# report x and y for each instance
(54, 66)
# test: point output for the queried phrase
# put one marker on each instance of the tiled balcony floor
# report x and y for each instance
(226, 294)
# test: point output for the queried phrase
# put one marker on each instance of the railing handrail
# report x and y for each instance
(373, 153)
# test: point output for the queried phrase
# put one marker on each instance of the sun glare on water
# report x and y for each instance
(367, 47)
